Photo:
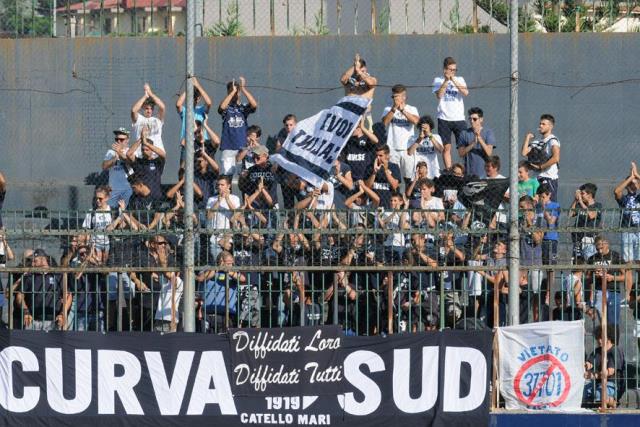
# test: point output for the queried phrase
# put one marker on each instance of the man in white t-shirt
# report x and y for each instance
(400, 120)
(220, 212)
(450, 90)
(425, 147)
(544, 154)
(147, 104)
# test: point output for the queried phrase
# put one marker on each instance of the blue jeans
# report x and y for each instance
(613, 305)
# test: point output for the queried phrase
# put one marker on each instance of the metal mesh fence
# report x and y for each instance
(92, 18)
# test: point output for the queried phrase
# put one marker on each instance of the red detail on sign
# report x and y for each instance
(554, 364)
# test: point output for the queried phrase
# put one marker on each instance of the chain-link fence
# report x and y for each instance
(92, 18)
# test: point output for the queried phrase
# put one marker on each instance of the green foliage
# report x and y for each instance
(230, 27)
(24, 18)
(382, 20)
(319, 29)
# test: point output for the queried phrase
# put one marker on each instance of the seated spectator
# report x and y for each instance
(527, 186)
(588, 214)
(116, 162)
(99, 219)
(147, 120)
(562, 310)
(199, 111)
(150, 166)
(383, 176)
(425, 147)
(234, 123)
(614, 373)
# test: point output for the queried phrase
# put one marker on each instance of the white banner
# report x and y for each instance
(542, 365)
(315, 142)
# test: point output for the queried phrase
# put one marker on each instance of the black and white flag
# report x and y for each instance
(315, 143)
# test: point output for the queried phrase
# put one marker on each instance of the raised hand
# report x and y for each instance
(243, 82)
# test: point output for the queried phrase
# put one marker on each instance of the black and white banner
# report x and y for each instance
(315, 143)
(315, 377)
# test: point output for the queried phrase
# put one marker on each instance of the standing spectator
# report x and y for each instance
(544, 154)
(3, 193)
(99, 220)
(475, 144)
(395, 218)
(199, 111)
(289, 122)
(357, 81)
(605, 279)
(234, 123)
(142, 208)
(413, 191)
(6, 254)
(588, 214)
(400, 119)
(220, 213)
(548, 213)
(246, 155)
(342, 180)
(359, 152)
(492, 171)
(630, 203)
(449, 91)
(38, 294)
(431, 211)
(531, 259)
(204, 139)
(425, 148)
(260, 176)
(115, 161)
(169, 287)
(384, 177)
(147, 120)
(526, 186)
(150, 166)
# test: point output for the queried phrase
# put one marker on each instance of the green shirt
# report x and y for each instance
(528, 187)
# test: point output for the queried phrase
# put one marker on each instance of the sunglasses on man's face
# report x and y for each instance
(120, 139)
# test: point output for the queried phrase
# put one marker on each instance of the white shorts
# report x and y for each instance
(631, 247)
(228, 162)
(405, 162)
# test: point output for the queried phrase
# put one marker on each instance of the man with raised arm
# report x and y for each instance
(234, 123)
(357, 81)
(199, 111)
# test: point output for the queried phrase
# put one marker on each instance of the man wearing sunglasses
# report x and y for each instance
(476, 144)
(115, 161)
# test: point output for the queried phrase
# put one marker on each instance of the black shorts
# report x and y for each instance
(446, 128)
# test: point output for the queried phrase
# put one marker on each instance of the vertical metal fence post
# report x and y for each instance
(514, 235)
(189, 283)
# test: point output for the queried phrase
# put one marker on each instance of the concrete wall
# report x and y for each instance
(60, 99)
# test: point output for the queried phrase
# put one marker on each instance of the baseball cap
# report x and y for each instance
(260, 150)
(121, 131)
(39, 252)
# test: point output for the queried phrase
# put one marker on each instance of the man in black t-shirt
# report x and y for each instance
(605, 278)
(359, 152)
(259, 181)
(3, 192)
(588, 214)
(38, 295)
(150, 166)
(384, 177)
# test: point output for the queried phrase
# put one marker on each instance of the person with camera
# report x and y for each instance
(543, 154)
(476, 143)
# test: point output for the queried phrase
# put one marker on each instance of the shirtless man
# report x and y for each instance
(357, 81)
